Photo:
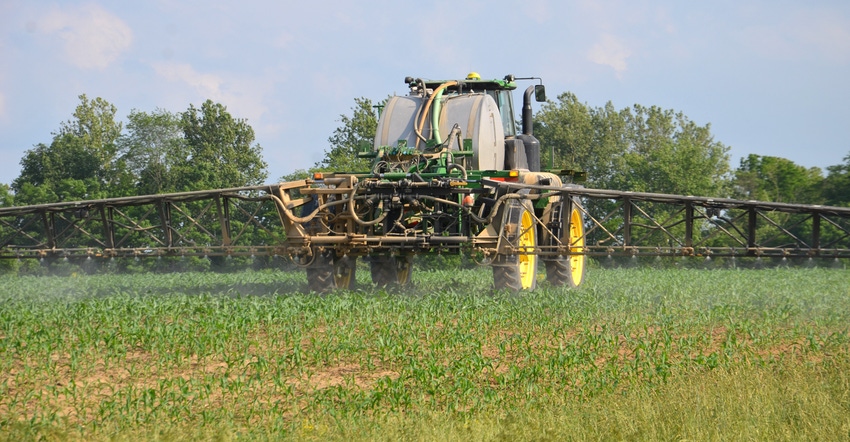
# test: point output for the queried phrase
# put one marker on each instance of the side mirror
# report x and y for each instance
(539, 93)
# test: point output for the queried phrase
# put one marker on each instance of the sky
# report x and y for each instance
(770, 77)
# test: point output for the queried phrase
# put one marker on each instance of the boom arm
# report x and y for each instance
(274, 220)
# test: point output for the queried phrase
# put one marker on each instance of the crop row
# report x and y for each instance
(248, 352)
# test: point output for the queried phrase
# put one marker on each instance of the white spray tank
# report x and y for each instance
(475, 114)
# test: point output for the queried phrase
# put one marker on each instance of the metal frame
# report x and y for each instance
(652, 224)
(179, 224)
(267, 220)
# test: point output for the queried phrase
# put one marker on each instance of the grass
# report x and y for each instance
(633, 354)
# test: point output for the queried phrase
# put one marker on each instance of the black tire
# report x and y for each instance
(558, 272)
(345, 272)
(320, 274)
(517, 272)
(566, 228)
(506, 276)
(568, 222)
(577, 263)
(329, 272)
(391, 271)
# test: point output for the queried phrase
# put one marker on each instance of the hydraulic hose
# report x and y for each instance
(353, 214)
(303, 219)
(424, 113)
(309, 217)
(458, 167)
(486, 220)
(435, 115)
(455, 132)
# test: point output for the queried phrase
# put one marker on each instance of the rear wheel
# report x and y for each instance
(344, 272)
(320, 275)
(518, 272)
(577, 258)
(328, 272)
(390, 271)
(558, 271)
(568, 270)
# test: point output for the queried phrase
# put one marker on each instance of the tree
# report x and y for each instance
(668, 153)
(218, 151)
(643, 149)
(63, 171)
(639, 148)
(567, 126)
(79, 163)
(95, 126)
(295, 175)
(7, 198)
(347, 140)
(836, 186)
(151, 149)
(768, 178)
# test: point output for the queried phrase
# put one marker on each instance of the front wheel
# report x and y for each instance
(518, 271)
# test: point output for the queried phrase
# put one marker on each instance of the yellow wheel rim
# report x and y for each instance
(402, 270)
(527, 243)
(576, 246)
(342, 278)
(343, 275)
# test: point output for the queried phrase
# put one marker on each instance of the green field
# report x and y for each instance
(634, 354)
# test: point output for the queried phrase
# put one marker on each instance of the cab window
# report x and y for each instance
(506, 109)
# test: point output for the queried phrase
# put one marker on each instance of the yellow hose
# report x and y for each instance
(428, 106)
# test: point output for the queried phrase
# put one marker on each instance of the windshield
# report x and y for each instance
(506, 109)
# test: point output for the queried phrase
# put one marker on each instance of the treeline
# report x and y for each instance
(94, 156)
(649, 149)
(642, 149)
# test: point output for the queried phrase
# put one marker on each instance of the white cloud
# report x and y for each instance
(610, 51)
(206, 85)
(243, 96)
(2, 107)
(92, 37)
